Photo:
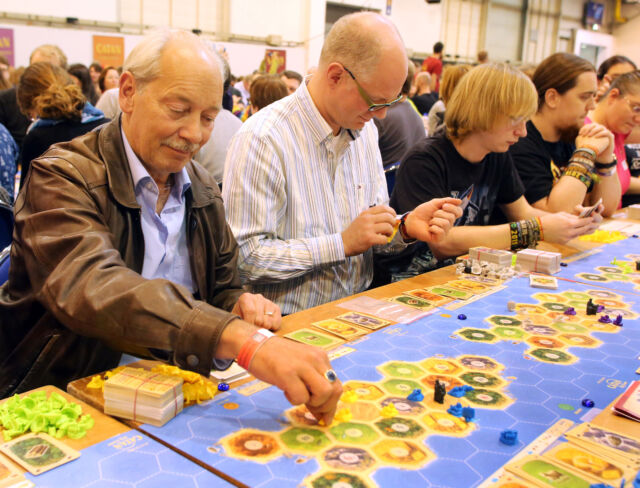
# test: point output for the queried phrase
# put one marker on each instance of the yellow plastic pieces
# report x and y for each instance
(36, 412)
(195, 388)
(389, 411)
(603, 236)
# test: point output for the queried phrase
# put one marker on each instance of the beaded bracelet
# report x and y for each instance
(580, 176)
(588, 150)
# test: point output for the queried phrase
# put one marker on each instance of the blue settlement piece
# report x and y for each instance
(416, 395)
(469, 414)
(460, 391)
(223, 386)
(588, 403)
(455, 410)
(509, 437)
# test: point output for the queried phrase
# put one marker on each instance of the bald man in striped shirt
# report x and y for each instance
(304, 189)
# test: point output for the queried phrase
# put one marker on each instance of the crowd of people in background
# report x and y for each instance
(429, 86)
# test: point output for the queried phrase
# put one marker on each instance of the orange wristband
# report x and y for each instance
(251, 346)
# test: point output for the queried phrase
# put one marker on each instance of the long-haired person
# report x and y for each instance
(486, 114)
(48, 95)
(561, 162)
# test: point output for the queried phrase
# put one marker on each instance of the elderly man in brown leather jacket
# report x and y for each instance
(80, 291)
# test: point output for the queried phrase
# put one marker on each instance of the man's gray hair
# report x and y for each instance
(143, 61)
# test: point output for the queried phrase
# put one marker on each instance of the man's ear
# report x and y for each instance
(552, 97)
(128, 89)
(335, 73)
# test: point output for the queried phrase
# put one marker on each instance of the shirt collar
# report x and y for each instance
(139, 173)
(320, 128)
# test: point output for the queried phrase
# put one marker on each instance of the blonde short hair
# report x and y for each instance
(485, 95)
(450, 78)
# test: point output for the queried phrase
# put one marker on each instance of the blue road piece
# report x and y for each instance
(460, 391)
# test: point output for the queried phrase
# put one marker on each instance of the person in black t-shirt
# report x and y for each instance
(424, 97)
(471, 162)
(562, 162)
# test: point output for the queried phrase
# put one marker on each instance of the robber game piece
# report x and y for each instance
(455, 410)
(570, 311)
(638, 265)
(416, 395)
(468, 414)
(618, 321)
(588, 403)
(592, 308)
(563, 264)
(604, 319)
(439, 392)
(509, 437)
(223, 386)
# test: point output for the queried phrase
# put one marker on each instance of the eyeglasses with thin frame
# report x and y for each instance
(635, 107)
(373, 107)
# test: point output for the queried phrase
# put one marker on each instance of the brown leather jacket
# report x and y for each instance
(75, 297)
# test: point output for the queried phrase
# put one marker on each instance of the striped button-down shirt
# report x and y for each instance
(290, 188)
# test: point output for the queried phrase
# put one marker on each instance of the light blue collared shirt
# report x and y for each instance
(166, 254)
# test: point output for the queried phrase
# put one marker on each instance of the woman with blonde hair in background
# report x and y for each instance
(450, 78)
(48, 95)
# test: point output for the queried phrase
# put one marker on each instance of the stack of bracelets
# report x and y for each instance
(526, 233)
(583, 166)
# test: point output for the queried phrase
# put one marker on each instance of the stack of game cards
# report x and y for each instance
(489, 255)
(143, 396)
(628, 405)
(538, 261)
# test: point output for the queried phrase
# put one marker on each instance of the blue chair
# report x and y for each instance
(4, 265)
(390, 174)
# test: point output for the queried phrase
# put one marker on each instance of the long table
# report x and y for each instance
(205, 433)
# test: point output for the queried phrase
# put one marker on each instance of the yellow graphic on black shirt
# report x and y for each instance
(555, 171)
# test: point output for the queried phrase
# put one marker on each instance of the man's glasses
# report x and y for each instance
(373, 107)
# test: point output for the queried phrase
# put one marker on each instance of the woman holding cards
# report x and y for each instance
(486, 115)
(619, 111)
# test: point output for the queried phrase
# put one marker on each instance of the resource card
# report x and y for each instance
(346, 331)
(363, 320)
(314, 338)
(38, 453)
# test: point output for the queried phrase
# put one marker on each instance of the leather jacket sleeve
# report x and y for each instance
(78, 274)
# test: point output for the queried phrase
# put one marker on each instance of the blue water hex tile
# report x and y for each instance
(561, 389)
(532, 413)
(450, 447)
(448, 473)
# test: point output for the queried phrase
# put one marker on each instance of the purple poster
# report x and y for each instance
(7, 46)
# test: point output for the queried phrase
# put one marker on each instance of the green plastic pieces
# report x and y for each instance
(37, 413)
